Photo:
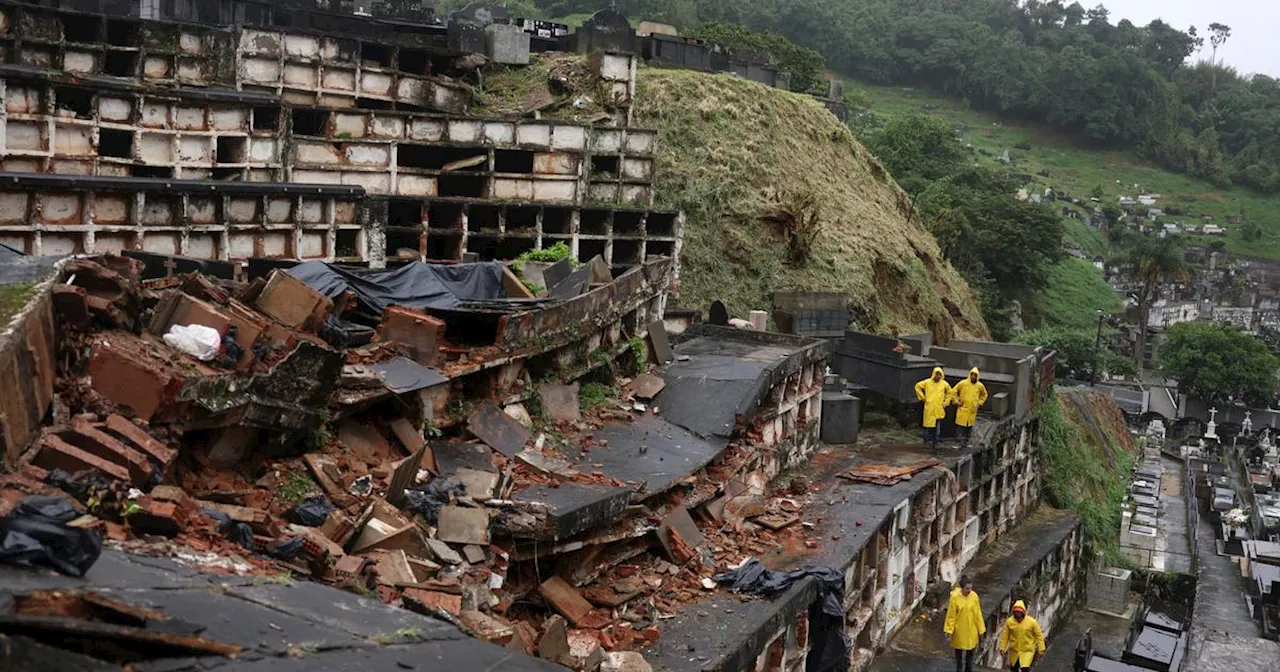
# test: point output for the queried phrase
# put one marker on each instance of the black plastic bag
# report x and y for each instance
(239, 533)
(286, 549)
(310, 512)
(36, 533)
(428, 501)
(829, 643)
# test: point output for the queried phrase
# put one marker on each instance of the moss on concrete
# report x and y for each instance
(12, 299)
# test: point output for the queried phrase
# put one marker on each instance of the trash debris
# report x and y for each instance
(885, 474)
(37, 533)
(196, 340)
(310, 512)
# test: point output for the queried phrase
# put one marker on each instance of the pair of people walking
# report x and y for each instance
(936, 393)
(1021, 640)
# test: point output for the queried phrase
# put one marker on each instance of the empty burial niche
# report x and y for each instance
(483, 218)
(78, 102)
(594, 222)
(660, 249)
(115, 143)
(661, 224)
(463, 186)
(404, 213)
(232, 149)
(403, 242)
(513, 161)
(120, 63)
(122, 33)
(373, 104)
(375, 55)
(266, 118)
(557, 220)
(444, 246)
(346, 244)
(522, 219)
(309, 122)
(590, 248)
(82, 29)
(441, 158)
(414, 62)
(627, 252)
(605, 166)
(627, 222)
(491, 248)
(445, 215)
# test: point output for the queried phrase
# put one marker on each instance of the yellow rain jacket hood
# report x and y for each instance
(970, 395)
(935, 394)
(965, 622)
(1021, 640)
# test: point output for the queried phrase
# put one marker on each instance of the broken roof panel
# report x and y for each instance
(650, 452)
(564, 511)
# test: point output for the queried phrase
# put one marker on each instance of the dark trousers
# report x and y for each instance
(964, 660)
(931, 434)
(963, 433)
(1017, 667)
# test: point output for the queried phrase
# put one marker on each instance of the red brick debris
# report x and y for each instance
(164, 452)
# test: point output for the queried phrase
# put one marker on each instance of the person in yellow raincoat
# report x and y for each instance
(970, 395)
(936, 394)
(965, 623)
(1021, 640)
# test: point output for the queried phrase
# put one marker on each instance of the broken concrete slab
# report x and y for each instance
(519, 413)
(497, 429)
(651, 452)
(462, 525)
(624, 661)
(364, 441)
(682, 523)
(415, 334)
(560, 402)
(441, 551)
(392, 568)
(487, 627)
(554, 643)
(479, 485)
(474, 554)
(293, 303)
(647, 386)
(565, 599)
(425, 601)
(562, 512)
(451, 456)
(661, 344)
(585, 651)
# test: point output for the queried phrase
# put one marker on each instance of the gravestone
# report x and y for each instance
(606, 30)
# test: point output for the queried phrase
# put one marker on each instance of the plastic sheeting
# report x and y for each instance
(416, 285)
(36, 533)
(310, 512)
(829, 643)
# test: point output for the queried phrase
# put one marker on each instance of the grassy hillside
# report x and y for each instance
(1075, 293)
(754, 168)
(1086, 451)
(1076, 170)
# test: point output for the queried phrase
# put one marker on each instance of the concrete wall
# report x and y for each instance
(27, 372)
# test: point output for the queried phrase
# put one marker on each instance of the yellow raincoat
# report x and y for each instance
(970, 394)
(1022, 640)
(965, 622)
(935, 394)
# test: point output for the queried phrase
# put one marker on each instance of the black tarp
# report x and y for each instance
(36, 533)
(829, 644)
(415, 285)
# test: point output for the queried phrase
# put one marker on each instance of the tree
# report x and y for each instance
(1150, 261)
(1220, 364)
(1251, 232)
(917, 150)
(1218, 35)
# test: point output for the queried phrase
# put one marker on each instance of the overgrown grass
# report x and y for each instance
(1085, 468)
(1077, 169)
(592, 395)
(732, 151)
(1075, 293)
(297, 486)
(12, 299)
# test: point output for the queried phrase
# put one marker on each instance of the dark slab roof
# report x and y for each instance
(650, 450)
(332, 629)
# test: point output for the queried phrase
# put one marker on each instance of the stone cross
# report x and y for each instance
(1213, 415)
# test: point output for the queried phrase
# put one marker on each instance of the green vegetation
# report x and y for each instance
(1075, 291)
(1075, 351)
(592, 395)
(639, 352)
(1005, 247)
(549, 255)
(12, 299)
(1151, 261)
(740, 159)
(296, 487)
(807, 69)
(1085, 453)
(1220, 364)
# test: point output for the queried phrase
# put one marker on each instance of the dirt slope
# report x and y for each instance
(750, 165)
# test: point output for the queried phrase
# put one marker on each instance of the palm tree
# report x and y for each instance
(1150, 260)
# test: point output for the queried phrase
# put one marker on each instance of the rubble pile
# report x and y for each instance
(297, 423)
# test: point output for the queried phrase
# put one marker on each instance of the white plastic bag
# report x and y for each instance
(196, 340)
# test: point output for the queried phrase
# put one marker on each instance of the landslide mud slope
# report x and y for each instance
(745, 162)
